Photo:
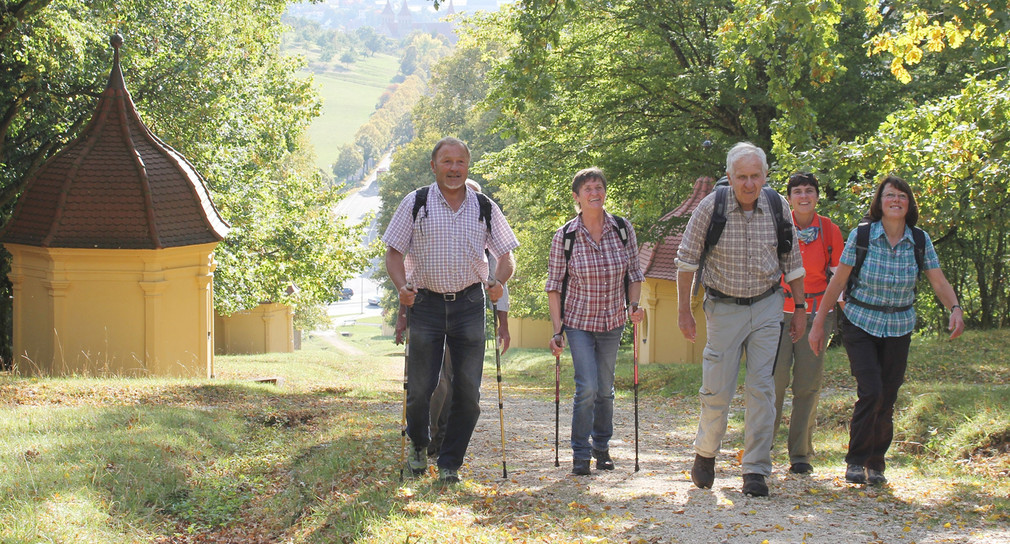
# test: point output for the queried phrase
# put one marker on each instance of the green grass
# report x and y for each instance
(348, 98)
(131, 460)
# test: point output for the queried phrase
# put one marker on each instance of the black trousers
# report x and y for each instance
(878, 364)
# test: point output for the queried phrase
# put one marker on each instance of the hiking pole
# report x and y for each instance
(634, 335)
(557, 405)
(497, 364)
(403, 414)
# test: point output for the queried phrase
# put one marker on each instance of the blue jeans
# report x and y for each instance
(594, 356)
(435, 324)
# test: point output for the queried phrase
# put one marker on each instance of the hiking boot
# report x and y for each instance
(448, 476)
(801, 468)
(856, 474)
(703, 471)
(875, 477)
(603, 460)
(580, 467)
(417, 463)
(754, 485)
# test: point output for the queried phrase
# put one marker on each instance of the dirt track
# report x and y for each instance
(660, 504)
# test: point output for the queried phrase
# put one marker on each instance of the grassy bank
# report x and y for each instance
(348, 98)
(310, 459)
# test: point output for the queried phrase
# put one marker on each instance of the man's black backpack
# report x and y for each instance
(421, 201)
(569, 244)
(783, 226)
(863, 246)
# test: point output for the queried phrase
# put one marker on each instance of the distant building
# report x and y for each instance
(659, 292)
(400, 23)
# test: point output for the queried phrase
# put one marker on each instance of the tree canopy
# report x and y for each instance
(208, 78)
(848, 89)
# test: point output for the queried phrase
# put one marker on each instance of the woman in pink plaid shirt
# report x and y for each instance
(593, 311)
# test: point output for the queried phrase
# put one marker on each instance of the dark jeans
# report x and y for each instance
(434, 325)
(878, 365)
(441, 399)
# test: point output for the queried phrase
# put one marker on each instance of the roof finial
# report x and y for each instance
(116, 40)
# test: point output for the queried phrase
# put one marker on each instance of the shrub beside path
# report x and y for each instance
(660, 504)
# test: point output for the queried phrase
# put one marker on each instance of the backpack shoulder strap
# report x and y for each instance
(485, 209)
(829, 250)
(919, 237)
(783, 226)
(622, 228)
(420, 201)
(567, 243)
(862, 246)
(718, 221)
(622, 231)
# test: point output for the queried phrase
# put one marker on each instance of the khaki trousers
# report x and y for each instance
(732, 331)
(798, 364)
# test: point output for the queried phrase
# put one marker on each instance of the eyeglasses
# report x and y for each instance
(896, 196)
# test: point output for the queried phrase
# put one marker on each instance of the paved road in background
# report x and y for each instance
(357, 207)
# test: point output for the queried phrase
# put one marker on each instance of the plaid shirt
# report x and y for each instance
(745, 262)
(887, 278)
(444, 249)
(595, 297)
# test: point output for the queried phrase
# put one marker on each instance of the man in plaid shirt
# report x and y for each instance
(443, 248)
(743, 312)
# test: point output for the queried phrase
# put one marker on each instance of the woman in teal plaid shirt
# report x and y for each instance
(878, 321)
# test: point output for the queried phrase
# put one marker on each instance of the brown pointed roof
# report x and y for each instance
(657, 259)
(117, 186)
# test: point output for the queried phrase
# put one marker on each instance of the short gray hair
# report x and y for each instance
(744, 149)
(449, 140)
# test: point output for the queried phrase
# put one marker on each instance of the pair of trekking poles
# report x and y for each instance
(501, 404)
(557, 398)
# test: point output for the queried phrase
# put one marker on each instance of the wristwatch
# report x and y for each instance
(800, 305)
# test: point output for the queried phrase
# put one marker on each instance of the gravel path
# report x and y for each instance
(660, 504)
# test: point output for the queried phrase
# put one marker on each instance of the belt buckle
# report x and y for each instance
(449, 297)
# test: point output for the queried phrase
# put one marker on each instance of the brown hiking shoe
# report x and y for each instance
(703, 471)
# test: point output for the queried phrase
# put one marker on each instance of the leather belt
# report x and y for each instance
(451, 297)
(742, 301)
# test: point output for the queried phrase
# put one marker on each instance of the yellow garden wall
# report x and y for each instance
(267, 328)
(529, 333)
(120, 312)
(661, 340)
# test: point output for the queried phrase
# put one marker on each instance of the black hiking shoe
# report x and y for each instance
(580, 467)
(801, 468)
(603, 460)
(855, 474)
(875, 477)
(754, 485)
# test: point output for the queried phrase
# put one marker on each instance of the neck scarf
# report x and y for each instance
(808, 234)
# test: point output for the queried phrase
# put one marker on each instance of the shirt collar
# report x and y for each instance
(441, 198)
(608, 220)
(761, 204)
(877, 231)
